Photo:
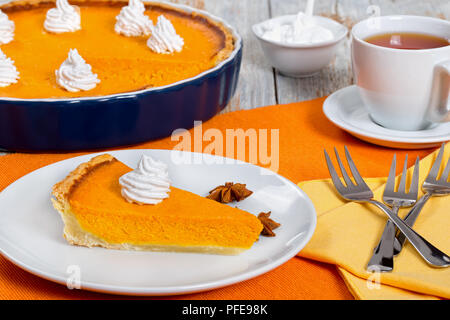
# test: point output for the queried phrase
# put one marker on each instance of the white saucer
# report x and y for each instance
(31, 230)
(346, 110)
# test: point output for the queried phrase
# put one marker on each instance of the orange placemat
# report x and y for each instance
(303, 134)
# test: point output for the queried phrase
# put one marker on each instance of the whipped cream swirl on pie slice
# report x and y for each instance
(7, 28)
(63, 18)
(164, 38)
(132, 22)
(148, 184)
(75, 74)
(8, 72)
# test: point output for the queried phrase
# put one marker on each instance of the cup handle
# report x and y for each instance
(439, 108)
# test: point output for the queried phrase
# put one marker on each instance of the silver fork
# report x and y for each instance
(383, 255)
(432, 187)
(360, 192)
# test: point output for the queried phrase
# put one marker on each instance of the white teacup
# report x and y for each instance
(402, 89)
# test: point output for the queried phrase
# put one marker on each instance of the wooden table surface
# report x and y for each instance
(260, 84)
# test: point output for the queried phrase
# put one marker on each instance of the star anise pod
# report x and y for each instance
(268, 224)
(229, 192)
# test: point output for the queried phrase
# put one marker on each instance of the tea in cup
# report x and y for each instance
(401, 66)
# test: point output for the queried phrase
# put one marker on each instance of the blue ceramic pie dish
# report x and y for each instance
(71, 124)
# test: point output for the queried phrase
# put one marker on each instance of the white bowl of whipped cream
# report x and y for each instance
(299, 45)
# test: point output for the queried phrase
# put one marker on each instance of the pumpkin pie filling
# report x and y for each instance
(96, 214)
(123, 64)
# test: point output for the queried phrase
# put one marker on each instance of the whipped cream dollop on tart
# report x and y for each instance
(75, 74)
(149, 183)
(164, 38)
(7, 28)
(132, 21)
(96, 212)
(63, 18)
(8, 71)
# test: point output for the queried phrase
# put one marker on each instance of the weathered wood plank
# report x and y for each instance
(256, 84)
(442, 8)
(338, 74)
(433, 8)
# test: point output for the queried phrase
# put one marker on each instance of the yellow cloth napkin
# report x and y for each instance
(347, 232)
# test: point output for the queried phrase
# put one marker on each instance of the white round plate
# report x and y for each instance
(346, 110)
(31, 230)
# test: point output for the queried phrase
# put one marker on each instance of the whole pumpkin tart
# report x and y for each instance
(123, 64)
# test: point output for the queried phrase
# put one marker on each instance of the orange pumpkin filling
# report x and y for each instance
(122, 63)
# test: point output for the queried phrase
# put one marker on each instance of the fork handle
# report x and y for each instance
(430, 253)
(410, 219)
(382, 259)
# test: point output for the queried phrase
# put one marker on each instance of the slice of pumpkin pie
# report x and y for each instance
(105, 203)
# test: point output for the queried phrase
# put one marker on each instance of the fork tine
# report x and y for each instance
(359, 180)
(345, 175)
(390, 184)
(446, 172)
(436, 165)
(414, 188)
(402, 185)
(334, 176)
